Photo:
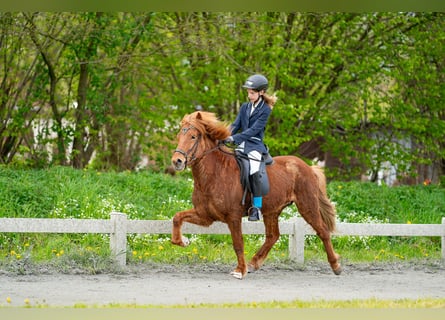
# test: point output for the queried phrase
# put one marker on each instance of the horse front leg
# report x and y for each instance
(190, 216)
(238, 246)
(272, 232)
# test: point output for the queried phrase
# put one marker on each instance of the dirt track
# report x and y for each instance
(167, 285)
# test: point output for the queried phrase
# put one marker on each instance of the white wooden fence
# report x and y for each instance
(118, 227)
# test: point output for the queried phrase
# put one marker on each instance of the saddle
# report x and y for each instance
(243, 163)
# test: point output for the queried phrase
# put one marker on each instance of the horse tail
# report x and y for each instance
(327, 209)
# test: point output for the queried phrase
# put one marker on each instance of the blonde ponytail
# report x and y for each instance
(270, 100)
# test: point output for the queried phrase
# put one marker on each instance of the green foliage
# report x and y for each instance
(107, 88)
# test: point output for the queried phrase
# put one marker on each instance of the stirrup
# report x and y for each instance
(254, 214)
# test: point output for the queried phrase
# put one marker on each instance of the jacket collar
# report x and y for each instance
(258, 106)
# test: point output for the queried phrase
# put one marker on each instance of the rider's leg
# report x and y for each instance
(255, 183)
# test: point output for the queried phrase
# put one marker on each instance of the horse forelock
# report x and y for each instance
(208, 124)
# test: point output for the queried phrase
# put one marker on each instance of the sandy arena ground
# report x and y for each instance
(208, 283)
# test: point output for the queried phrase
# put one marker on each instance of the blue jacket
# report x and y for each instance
(251, 127)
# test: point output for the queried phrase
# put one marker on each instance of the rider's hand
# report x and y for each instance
(228, 140)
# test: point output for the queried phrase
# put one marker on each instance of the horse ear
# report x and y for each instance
(198, 116)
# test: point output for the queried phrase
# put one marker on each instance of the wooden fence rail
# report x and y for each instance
(118, 226)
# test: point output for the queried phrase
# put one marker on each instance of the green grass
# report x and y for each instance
(295, 304)
(66, 193)
(402, 204)
(320, 309)
(61, 192)
(299, 304)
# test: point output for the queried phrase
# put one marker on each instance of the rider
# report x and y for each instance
(251, 122)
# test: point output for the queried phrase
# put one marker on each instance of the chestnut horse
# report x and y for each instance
(217, 194)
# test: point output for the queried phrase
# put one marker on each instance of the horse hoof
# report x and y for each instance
(185, 241)
(237, 275)
(251, 269)
(338, 270)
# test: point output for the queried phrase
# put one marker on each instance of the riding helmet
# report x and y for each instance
(256, 82)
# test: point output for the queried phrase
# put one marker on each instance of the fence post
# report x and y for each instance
(118, 237)
(443, 240)
(296, 241)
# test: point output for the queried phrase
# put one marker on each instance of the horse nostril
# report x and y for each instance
(177, 163)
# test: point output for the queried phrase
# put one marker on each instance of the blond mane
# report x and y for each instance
(207, 123)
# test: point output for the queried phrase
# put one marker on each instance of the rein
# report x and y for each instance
(237, 154)
(190, 155)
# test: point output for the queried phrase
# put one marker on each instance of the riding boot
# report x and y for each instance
(255, 211)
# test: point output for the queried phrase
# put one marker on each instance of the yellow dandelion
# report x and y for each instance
(8, 299)
(195, 251)
(13, 253)
(26, 301)
(161, 248)
(408, 222)
(135, 253)
(61, 252)
(26, 245)
(146, 254)
(18, 256)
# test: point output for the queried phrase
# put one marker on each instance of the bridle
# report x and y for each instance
(193, 148)
(192, 151)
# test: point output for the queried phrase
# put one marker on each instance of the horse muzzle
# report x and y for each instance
(178, 164)
(179, 161)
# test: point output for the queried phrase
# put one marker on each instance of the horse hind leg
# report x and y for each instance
(333, 257)
(310, 211)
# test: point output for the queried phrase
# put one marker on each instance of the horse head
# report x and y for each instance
(199, 132)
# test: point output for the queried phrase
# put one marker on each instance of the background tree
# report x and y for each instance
(20, 89)
(108, 89)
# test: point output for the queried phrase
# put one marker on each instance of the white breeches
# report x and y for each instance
(254, 159)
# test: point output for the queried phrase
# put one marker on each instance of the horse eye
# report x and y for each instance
(193, 137)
